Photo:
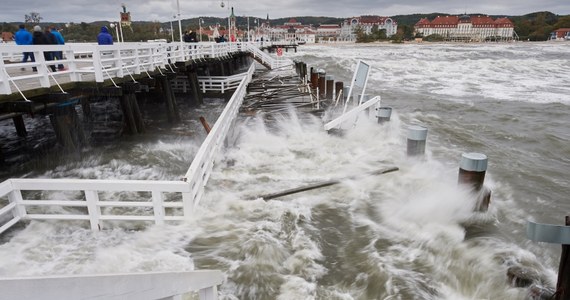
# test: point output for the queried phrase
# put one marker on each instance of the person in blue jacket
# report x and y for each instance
(60, 41)
(104, 37)
(23, 37)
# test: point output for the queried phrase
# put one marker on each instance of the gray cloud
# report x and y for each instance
(164, 10)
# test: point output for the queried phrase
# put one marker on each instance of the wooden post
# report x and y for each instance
(338, 87)
(139, 122)
(472, 169)
(205, 124)
(197, 98)
(563, 283)
(417, 136)
(86, 107)
(322, 85)
(314, 78)
(329, 86)
(128, 114)
(20, 126)
(171, 112)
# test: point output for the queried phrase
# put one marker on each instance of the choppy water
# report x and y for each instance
(405, 235)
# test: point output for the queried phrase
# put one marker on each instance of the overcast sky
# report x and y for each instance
(164, 10)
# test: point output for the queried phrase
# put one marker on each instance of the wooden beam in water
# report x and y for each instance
(323, 184)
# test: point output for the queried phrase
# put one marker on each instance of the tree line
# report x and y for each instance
(534, 27)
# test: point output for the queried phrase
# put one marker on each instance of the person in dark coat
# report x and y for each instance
(193, 38)
(52, 41)
(39, 38)
(23, 37)
(60, 41)
(104, 37)
(186, 37)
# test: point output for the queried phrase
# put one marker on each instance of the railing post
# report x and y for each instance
(97, 64)
(15, 196)
(72, 66)
(158, 207)
(42, 68)
(93, 209)
(118, 62)
(210, 293)
(4, 84)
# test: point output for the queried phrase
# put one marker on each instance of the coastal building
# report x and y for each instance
(367, 24)
(328, 31)
(291, 31)
(467, 28)
(560, 34)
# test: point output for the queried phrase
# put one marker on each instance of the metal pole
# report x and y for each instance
(122, 39)
(248, 37)
(200, 21)
(179, 21)
(171, 30)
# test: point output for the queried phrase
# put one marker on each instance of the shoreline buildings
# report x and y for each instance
(367, 24)
(467, 28)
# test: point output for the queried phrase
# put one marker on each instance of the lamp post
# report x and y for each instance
(248, 37)
(172, 29)
(179, 21)
(113, 25)
(201, 21)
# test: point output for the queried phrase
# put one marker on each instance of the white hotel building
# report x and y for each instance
(367, 23)
(467, 28)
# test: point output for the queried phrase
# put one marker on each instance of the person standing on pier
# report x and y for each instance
(39, 38)
(23, 37)
(104, 37)
(60, 41)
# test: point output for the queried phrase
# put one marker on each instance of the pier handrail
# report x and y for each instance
(129, 286)
(201, 167)
(352, 114)
(96, 63)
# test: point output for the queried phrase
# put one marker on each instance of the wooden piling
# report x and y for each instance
(329, 87)
(197, 97)
(472, 169)
(338, 87)
(417, 136)
(170, 101)
(139, 122)
(128, 114)
(322, 85)
(314, 78)
(68, 130)
(563, 283)
(20, 125)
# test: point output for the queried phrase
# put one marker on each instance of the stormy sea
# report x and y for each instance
(410, 234)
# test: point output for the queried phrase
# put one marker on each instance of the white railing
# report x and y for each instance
(97, 201)
(92, 62)
(352, 115)
(220, 84)
(122, 206)
(267, 59)
(132, 286)
(201, 167)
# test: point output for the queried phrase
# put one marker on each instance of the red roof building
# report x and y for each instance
(467, 28)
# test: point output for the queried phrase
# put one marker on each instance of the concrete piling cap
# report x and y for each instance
(384, 112)
(329, 77)
(476, 162)
(417, 133)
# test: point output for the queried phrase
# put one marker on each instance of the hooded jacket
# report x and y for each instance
(104, 37)
(23, 37)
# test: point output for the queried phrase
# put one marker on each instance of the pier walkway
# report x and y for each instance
(92, 63)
